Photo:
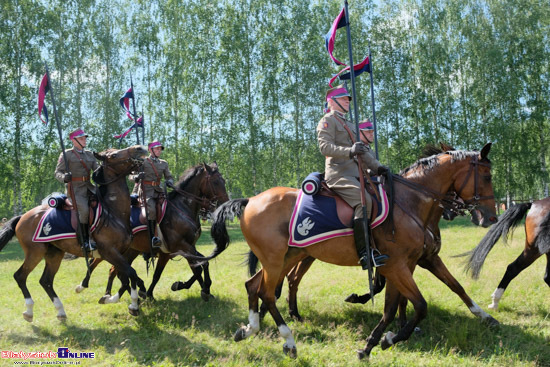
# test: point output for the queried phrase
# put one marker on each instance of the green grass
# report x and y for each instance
(180, 329)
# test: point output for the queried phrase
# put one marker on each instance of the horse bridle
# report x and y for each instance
(207, 204)
(455, 204)
(134, 162)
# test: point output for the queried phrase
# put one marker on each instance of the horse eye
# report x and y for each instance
(114, 155)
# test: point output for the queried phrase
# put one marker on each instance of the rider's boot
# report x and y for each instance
(87, 243)
(361, 235)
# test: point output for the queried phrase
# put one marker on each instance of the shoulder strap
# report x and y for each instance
(345, 127)
(154, 169)
(81, 161)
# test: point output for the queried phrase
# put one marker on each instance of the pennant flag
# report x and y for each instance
(125, 103)
(330, 38)
(358, 69)
(44, 88)
(124, 134)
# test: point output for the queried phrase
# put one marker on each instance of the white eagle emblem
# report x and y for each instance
(304, 227)
(47, 228)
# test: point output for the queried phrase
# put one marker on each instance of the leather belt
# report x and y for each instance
(80, 179)
(152, 183)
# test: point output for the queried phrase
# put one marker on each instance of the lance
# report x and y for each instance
(358, 138)
(373, 107)
(69, 184)
(134, 107)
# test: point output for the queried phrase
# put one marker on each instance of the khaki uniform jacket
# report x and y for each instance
(335, 144)
(81, 189)
(152, 182)
(341, 171)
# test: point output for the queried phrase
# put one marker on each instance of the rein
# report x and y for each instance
(134, 161)
(203, 201)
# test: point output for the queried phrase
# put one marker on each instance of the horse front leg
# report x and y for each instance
(85, 282)
(53, 261)
(527, 257)
(33, 255)
(294, 277)
(436, 266)
(161, 264)
(252, 287)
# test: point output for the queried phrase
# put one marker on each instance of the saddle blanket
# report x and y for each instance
(138, 222)
(56, 225)
(315, 219)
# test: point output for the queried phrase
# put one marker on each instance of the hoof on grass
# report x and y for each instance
(27, 317)
(240, 334)
(291, 352)
(387, 340)
(361, 354)
(133, 312)
(206, 296)
(103, 300)
(62, 318)
(491, 322)
(79, 288)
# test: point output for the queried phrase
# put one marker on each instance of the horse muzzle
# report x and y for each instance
(482, 216)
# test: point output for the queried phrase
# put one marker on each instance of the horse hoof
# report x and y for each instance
(492, 322)
(296, 316)
(291, 352)
(361, 354)
(103, 300)
(418, 331)
(62, 318)
(239, 335)
(79, 288)
(133, 312)
(206, 296)
(176, 286)
(352, 298)
(27, 317)
(493, 307)
(387, 340)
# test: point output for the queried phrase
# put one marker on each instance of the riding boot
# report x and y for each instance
(155, 241)
(87, 243)
(361, 236)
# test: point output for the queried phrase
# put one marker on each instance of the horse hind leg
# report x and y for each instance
(53, 261)
(252, 286)
(107, 297)
(527, 257)
(32, 258)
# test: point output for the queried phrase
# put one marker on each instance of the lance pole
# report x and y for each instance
(70, 190)
(358, 139)
(134, 108)
(373, 106)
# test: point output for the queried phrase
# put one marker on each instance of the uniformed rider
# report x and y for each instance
(334, 133)
(80, 162)
(154, 169)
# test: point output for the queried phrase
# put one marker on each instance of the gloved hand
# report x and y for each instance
(139, 177)
(169, 183)
(357, 148)
(382, 170)
(68, 177)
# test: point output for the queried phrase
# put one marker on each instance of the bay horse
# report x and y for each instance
(200, 188)
(537, 243)
(265, 220)
(113, 234)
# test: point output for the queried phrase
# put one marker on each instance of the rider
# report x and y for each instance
(341, 170)
(80, 162)
(154, 169)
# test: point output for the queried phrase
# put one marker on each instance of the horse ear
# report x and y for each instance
(446, 147)
(485, 150)
(207, 167)
(214, 165)
(99, 156)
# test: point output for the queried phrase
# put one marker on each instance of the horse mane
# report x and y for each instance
(185, 178)
(430, 157)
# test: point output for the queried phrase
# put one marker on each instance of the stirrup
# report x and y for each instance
(89, 246)
(378, 259)
(155, 242)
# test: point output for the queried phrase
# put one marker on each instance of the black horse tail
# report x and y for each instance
(506, 222)
(218, 232)
(252, 263)
(8, 231)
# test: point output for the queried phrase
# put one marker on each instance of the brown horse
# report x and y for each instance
(537, 243)
(200, 188)
(265, 221)
(113, 234)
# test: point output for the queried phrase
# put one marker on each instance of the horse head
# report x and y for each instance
(213, 184)
(473, 185)
(119, 162)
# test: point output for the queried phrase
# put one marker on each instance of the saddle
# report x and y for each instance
(62, 202)
(160, 208)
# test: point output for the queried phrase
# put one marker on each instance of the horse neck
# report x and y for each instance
(193, 188)
(117, 195)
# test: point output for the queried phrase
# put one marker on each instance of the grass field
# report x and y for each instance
(179, 329)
